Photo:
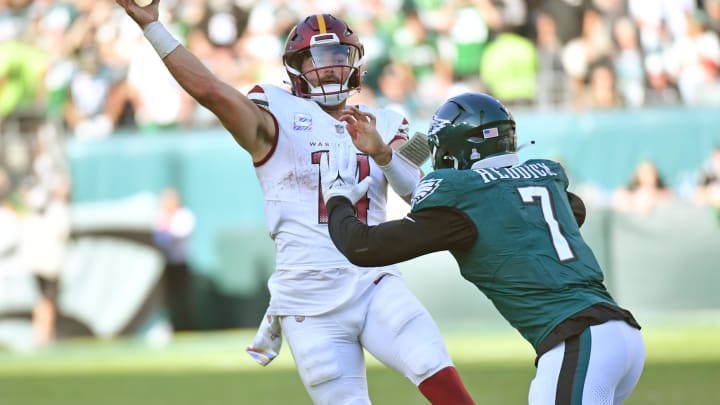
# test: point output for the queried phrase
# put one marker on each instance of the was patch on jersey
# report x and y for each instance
(303, 122)
(424, 189)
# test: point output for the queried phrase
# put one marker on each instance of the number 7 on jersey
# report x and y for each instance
(531, 195)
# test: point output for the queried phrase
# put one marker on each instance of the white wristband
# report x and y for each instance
(402, 175)
(160, 38)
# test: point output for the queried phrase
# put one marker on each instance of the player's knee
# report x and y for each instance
(426, 359)
(413, 328)
(425, 352)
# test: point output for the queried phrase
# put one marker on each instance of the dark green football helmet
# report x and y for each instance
(469, 128)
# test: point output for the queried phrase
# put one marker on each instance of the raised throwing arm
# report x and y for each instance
(252, 128)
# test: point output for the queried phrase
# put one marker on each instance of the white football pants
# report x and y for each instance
(599, 367)
(387, 320)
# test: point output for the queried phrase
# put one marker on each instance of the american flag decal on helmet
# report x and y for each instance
(490, 133)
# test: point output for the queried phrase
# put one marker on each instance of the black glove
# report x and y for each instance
(578, 208)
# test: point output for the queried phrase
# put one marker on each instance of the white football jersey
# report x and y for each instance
(311, 275)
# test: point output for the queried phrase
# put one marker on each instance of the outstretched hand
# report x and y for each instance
(267, 342)
(362, 129)
(141, 15)
(338, 176)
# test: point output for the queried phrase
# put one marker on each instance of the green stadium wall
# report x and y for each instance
(668, 260)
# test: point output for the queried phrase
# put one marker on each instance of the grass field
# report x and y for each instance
(683, 368)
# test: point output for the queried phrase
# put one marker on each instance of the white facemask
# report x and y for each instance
(331, 99)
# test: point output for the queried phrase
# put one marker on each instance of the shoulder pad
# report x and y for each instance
(257, 95)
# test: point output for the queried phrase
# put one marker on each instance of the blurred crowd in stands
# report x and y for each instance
(81, 68)
(84, 63)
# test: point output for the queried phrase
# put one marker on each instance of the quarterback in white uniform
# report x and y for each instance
(327, 309)
(295, 210)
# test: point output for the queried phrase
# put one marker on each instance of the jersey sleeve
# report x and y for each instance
(558, 169)
(428, 231)
(402, 131)
(391, 125)
(257, 95)
(437, 189)
(578, 208)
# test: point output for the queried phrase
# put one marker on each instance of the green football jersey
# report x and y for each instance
(529, 258)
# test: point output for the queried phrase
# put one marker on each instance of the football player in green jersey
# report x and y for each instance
(514, 230)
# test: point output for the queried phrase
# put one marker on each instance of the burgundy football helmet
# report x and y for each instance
(329, 43)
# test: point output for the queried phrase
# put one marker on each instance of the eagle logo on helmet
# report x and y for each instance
(437, 124)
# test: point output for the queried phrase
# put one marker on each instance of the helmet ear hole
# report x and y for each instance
(301, 84)
(295, 61)
(449, 162)
(354, 80)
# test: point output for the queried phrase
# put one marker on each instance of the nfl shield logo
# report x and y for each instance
(339, 129)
